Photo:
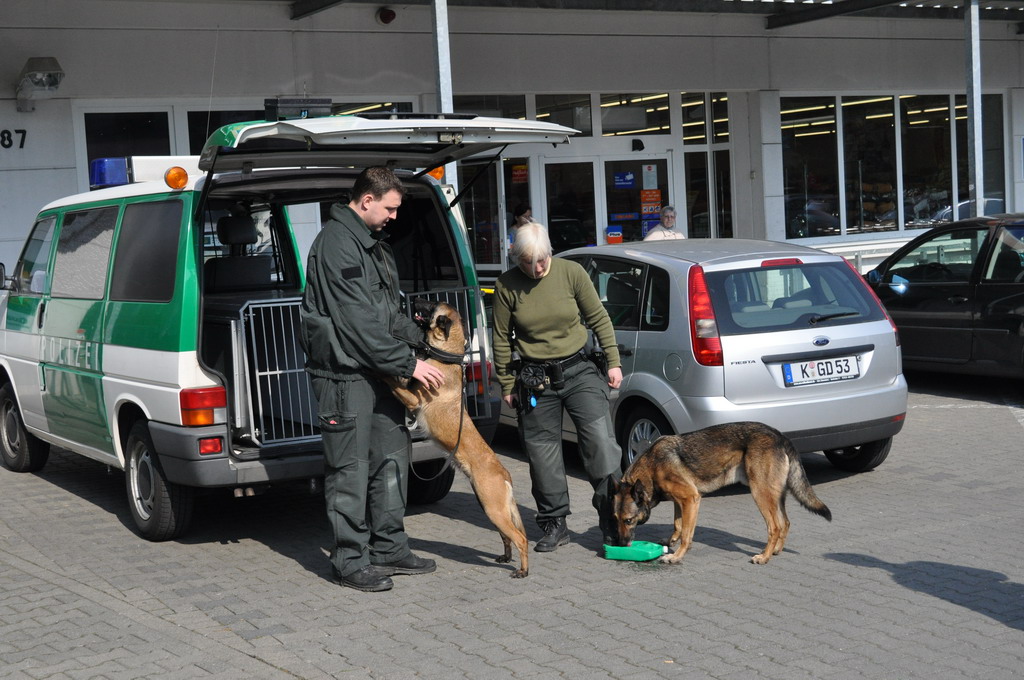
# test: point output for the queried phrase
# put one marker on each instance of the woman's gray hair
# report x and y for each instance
(531, 244)
(668, 209)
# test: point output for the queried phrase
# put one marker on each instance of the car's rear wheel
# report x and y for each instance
(22, 451)
(860, 458)
(161, 509)
(426, 485)
(643, 427)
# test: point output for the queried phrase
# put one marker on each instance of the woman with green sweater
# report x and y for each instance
(543, 308)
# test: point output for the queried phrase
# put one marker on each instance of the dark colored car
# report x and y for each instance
(956, 294)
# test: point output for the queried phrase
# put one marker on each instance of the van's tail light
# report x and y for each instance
(707, 345)
(874, 296)
(475, 374)
(203, 406)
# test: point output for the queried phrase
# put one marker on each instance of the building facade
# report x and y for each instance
(842, 133)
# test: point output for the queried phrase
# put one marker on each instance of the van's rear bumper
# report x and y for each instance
(178, 451)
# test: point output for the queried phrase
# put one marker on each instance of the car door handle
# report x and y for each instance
(956, 300)
(624, 351)
(40, 313)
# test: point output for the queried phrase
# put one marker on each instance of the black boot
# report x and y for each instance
(556, 533)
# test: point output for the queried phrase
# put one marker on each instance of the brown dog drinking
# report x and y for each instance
(683, 468)
(440, 411)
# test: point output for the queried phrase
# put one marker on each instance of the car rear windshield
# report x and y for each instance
(788, 297)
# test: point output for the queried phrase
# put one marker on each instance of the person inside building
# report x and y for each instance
(353, 332)
(523, 214)
(543, 307)
(666, 228)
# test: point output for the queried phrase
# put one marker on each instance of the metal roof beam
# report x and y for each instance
(823, 12)
(304, 8)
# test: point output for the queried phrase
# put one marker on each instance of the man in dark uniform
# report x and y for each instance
(354, 332)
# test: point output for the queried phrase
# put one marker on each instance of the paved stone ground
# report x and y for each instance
(918, 576)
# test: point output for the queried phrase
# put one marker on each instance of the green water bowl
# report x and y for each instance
(637, 551)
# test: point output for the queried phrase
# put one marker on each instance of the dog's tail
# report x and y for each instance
(801, 488)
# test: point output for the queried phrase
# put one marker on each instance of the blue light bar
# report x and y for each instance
(108, 172)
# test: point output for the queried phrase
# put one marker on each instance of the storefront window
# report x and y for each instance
(723, 193)
(352, 108)
(480, 210)
(499, 105)
(869, 146)
(517, 191)
(571, 110)
(694, 118)
(634, 114)
(992, 145)
(927, 158)
(571, 213)
(810, 166)
(635, 191)
(133, 133)
(720, 117)
(933, 175)
(698, 214)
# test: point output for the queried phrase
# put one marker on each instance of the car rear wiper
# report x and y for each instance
(818, 318)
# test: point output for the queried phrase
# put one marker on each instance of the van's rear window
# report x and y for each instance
(768, 299)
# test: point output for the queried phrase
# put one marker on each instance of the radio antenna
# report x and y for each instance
(213, 72)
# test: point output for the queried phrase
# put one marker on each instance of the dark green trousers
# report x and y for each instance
(366, 464)
(585, 398)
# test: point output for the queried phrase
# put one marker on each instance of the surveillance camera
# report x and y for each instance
(385, 15)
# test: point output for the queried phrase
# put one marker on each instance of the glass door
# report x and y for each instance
(571, 209)
(635, 191)
(494, 193)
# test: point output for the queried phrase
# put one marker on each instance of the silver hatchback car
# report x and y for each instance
(722, 330)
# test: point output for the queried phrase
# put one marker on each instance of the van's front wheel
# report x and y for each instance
(161, 509)
(22, 452)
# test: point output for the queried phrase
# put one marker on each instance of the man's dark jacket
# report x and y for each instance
(351, 321)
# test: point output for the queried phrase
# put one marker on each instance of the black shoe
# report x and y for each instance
(368, 579)
(409, 565)
(556, 533)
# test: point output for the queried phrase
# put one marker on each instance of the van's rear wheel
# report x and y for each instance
(644, 426)
(22, 451)
(161, 509)
(860, 458)
(426, 485)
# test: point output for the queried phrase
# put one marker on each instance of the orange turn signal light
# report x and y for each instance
(176, 177)
(437, 173)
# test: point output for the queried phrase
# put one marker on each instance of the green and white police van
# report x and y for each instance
(152, 325)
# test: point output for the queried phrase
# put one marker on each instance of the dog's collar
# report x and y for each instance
(444, 357)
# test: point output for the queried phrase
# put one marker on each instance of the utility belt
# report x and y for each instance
(533, 377)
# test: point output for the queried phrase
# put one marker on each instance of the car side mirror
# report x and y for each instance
(873, 277)
(4, 283)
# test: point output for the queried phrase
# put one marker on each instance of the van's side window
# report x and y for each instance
(30, 278)
(146, 256)
(83, 253)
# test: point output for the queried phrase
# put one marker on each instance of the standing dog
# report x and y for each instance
(684, 467)
(440, 411)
